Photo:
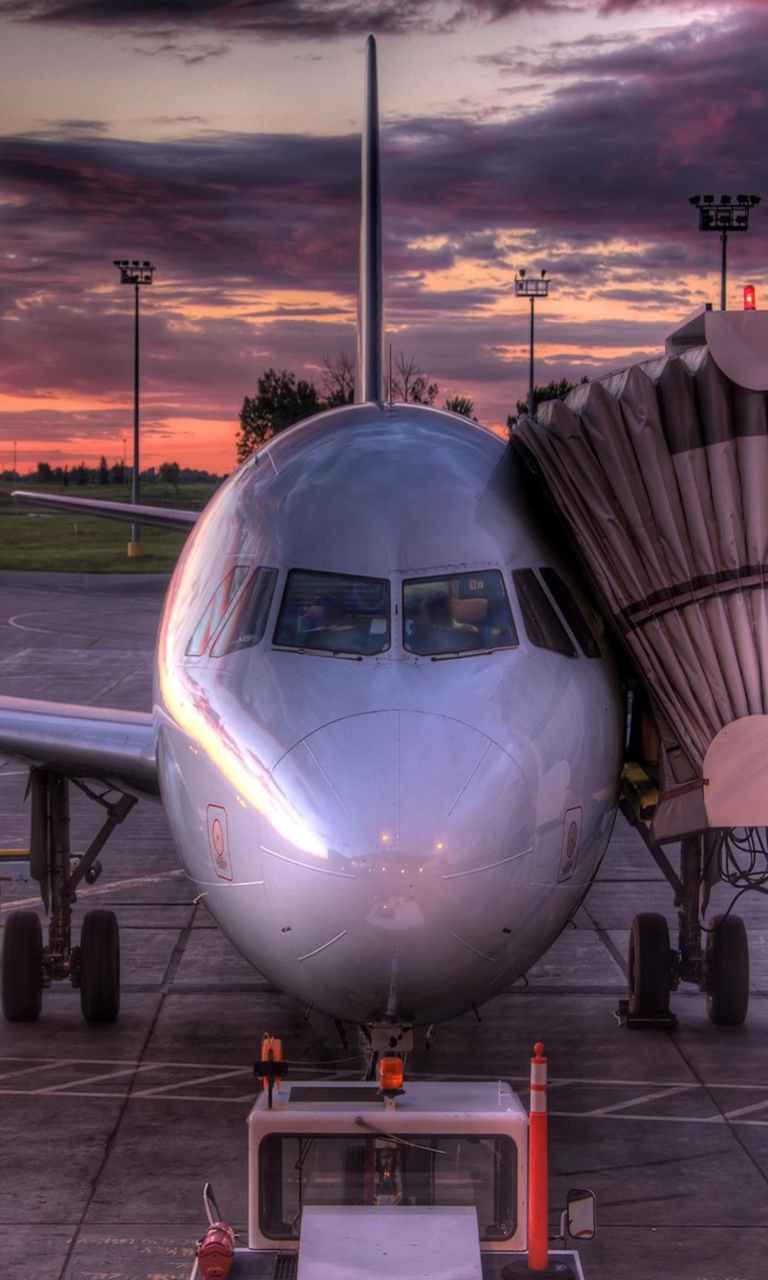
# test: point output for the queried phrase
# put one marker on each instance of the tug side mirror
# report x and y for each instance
(579, 1217)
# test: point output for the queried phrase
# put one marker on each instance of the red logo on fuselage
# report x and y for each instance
(218, 840)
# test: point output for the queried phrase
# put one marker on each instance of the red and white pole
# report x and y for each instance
(538, 1171)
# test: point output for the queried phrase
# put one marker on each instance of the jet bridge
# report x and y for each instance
(660, 473)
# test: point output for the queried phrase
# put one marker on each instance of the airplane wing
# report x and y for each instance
(115, 747)
(160, 517)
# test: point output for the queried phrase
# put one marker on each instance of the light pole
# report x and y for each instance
(727, 215)
(532, 287)
(137, 274)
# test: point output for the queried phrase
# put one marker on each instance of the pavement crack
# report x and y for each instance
(711, 1094)
(133, 1082)
(607, 941)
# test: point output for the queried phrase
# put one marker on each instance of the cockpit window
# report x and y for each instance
(542, 625)
(334, 613)
(215, 610)
(570, 610)
(246, 622)
(457, 613)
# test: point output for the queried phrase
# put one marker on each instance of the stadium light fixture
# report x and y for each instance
(531, 287)
(723, 216)
(136, 273)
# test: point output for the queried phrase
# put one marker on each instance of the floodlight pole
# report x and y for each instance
(728, 214)
(137, 274)
(533, 288)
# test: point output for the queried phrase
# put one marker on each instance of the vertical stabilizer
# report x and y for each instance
(370, 312)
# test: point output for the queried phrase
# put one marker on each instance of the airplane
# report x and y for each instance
(387, 726)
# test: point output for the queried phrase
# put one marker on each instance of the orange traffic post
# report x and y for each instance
(538, 1169)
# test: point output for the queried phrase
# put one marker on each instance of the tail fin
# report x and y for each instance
(370, 311)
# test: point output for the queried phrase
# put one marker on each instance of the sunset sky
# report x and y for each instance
(220, 139)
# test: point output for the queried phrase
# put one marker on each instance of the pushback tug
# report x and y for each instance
(418, 1180)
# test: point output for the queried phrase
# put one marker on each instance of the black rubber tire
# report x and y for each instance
(22, 966)
(100, 966)
(727, 970)
(650, 967)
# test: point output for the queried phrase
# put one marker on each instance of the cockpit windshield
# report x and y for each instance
(334, 613)
(456, 614)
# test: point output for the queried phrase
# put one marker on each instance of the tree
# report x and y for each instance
(424, 392)
(280, 402)
(462, 405)
(409, 383)
(103, 471)
(552, 391)
(44, 472)
(338, 380)
(169, 473)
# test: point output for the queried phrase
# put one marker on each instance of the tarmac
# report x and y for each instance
(108, 1132)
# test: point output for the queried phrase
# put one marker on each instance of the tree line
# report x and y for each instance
(116, 474)
(281, 400)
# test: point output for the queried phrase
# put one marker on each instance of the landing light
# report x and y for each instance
(750, 302)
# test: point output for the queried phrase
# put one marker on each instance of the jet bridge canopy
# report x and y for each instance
(661, 474)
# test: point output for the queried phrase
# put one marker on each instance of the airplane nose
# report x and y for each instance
(405, 784)
(422, 831)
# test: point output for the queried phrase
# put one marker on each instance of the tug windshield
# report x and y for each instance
(478, 1170)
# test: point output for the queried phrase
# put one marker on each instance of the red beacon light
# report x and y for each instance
(391, 1076)
(750, 301)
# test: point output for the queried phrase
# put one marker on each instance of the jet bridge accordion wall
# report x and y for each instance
(661, 473)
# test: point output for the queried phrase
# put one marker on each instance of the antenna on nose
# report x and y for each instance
(370, 310)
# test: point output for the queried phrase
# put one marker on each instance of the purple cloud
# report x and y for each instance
(277, 18)
(245, 229)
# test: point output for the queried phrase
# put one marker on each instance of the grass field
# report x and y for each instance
(77, 544)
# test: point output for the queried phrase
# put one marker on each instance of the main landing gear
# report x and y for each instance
(720, 967)
(93, 967)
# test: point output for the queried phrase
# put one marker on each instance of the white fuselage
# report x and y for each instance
(386, 836)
